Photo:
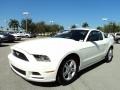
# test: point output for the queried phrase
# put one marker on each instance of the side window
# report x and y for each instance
(95, 36)
(100, 35)
(106, 35)
(118, 34)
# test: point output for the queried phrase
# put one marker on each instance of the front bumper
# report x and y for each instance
(17, 38)
(38, 72)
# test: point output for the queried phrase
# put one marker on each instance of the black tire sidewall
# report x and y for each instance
(107, 57)
(118, 41)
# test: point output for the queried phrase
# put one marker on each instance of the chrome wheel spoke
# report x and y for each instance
(70, 76)
(65, 73)
(72, 63)
(110, 54)
(73, 69)
(69, 70)
(66, 66)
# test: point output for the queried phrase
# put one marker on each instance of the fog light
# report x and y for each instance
(35, 73)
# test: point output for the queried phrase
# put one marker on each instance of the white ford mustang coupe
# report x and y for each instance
(60, 58)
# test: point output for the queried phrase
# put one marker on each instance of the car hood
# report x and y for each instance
(47, 45)
(15, 35)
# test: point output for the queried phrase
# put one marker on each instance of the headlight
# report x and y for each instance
(42, 58)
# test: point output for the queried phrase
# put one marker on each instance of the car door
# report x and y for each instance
(94, 47)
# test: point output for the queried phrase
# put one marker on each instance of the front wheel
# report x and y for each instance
(67, 71)
(109, 55)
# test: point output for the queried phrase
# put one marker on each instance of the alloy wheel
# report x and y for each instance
(69, 70)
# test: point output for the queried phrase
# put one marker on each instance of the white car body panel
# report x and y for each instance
(56, 49)
(24, 34)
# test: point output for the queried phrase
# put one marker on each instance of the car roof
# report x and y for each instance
(83, 29)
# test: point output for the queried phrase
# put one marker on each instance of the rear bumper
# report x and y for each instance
(17, 38)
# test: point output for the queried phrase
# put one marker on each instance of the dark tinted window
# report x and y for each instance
(118, 34)
(74, 34)
(106, 35)
(95, 36)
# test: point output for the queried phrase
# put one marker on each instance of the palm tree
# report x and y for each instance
(26, 24)
(14, 24)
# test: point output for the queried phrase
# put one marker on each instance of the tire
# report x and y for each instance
(118, 41)
(11, 41)
(68, 71)
(27, 36)
(109, 55)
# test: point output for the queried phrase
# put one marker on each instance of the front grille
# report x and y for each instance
(19, 70)
(19, 55)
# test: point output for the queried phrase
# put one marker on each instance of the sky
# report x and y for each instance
(63, 12)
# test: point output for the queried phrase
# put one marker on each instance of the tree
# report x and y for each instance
(111, 27)
(29, 23)
(100, 28)
(73, 26)
(40, 27)
(54, 28)
(32, 28)
(85, 25)
(61, 27)
(14, 24)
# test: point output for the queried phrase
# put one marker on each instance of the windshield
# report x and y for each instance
(73, 34)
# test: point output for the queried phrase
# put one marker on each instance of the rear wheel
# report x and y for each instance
(27, 36)
(67, 71)
(109, 55)
(118, 41)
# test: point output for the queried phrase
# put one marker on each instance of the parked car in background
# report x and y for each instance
(17, 36)
(30, 35)
(61, 57)
(6, 37)
(117, 37)
(33, 35)
(0, 40)
(21, 34)
(26, 35)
